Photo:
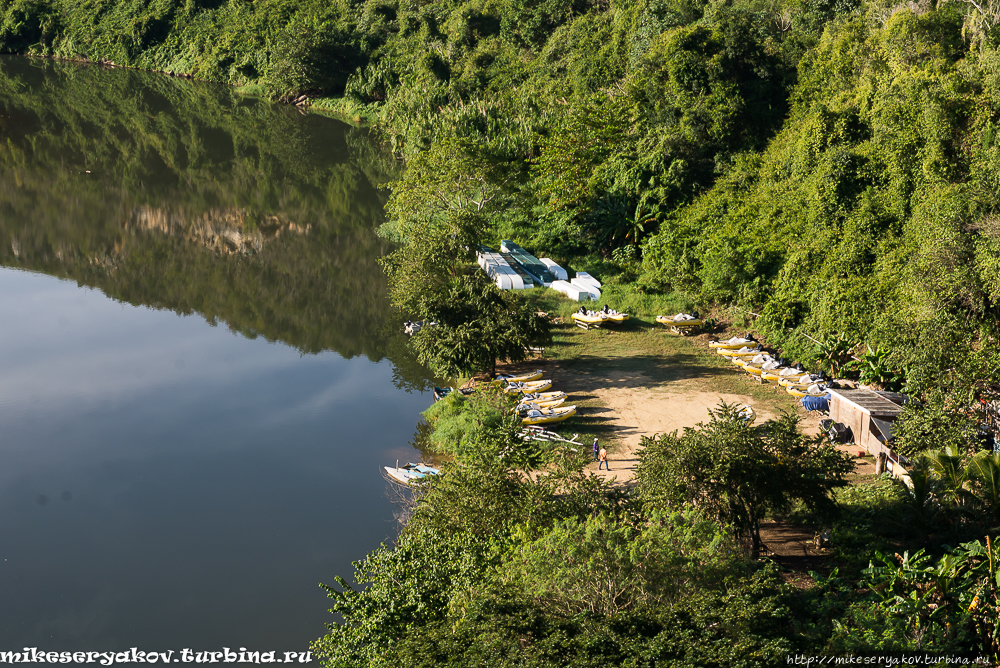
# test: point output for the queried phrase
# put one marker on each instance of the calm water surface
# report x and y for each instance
(199, 374)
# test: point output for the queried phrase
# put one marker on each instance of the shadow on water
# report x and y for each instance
(190, 197)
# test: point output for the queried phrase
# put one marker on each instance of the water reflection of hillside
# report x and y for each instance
(188, 197)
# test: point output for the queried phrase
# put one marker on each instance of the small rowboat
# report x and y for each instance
(546, 415)
(410, 472)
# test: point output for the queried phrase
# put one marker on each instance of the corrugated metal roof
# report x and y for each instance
(868, 402)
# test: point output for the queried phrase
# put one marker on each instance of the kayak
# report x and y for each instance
(525, 406)
(529, 386)
(538, 397)
(545, 415)
(772, 375)
(520, 378)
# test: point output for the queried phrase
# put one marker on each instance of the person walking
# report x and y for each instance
(602, 459)
(595, 448)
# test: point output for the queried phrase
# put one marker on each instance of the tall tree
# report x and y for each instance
(738, 473)
(476, 324)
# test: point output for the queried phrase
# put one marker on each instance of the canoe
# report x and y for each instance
(410, 472)
(734, 343)
(529, 386)
(546, 415)
(519, 378)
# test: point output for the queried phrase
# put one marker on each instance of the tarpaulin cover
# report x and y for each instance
(817, 403)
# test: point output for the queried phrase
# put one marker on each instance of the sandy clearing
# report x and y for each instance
(647, 412)
(634, 406)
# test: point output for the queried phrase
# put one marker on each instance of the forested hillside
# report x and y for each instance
(829, 165)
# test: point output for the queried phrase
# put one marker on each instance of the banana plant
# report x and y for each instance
(836, 351)
(875, 369)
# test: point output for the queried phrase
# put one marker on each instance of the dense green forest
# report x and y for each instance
(831, 166)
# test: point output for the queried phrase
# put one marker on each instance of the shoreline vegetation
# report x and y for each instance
(830, 167)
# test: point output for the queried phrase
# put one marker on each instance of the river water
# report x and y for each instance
(200, 376)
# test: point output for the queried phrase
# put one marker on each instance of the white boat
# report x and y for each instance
(410, 472)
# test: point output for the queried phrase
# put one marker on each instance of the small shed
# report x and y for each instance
(870, 416)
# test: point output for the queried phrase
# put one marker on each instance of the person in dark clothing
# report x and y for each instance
(595, 448)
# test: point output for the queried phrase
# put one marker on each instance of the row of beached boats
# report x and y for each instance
(749, 355)
(537, 402)
(537, 405)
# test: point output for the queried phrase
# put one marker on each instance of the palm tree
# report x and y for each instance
(984, 469)
(947, 466)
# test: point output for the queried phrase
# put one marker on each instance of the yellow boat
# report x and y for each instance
(804, 392)
(525, 405)
(734, 343)
(538, 397)
(755, 367)
(798, 379)
(738, 352)
(773, 375)
(589, 319)
(520, 378)
(669, 321)
(545, 415)
(604, 317)
(789, 373)
(529, 386)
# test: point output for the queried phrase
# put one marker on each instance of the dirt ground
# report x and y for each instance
(634, 407)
